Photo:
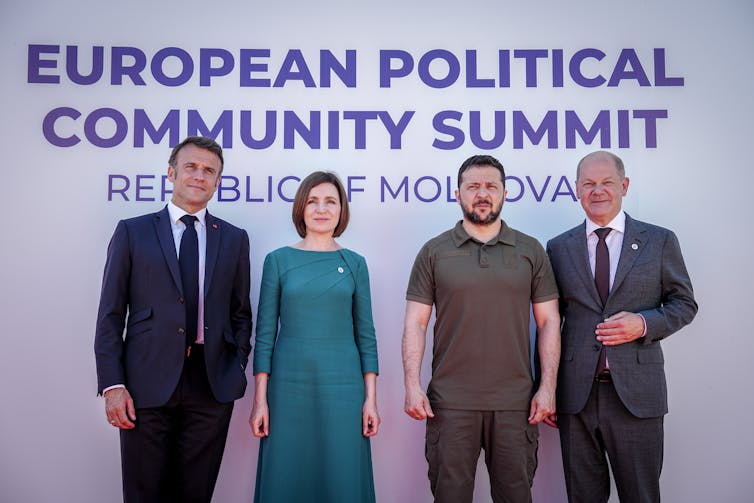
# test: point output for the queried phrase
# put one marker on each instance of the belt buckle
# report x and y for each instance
(603, 377)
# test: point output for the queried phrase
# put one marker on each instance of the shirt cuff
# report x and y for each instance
(113, 387)
(644, 321)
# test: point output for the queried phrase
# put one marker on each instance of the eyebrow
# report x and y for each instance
(492, 182)
(608, 178)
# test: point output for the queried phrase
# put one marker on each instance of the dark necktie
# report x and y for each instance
(602, 280)
(188, 259)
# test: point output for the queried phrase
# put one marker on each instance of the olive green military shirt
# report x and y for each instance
(482, 294)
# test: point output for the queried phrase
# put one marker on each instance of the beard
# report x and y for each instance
(473, 217)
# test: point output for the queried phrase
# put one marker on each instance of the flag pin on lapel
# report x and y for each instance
(214, 226)
(634, 246)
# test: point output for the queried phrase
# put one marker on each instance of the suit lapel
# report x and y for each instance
(633, 244)
(213, 246)
(576, 246)
(167, 243)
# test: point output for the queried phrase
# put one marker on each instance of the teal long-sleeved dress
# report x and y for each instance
(315, 337)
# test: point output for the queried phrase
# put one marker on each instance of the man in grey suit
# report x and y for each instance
(623, 288)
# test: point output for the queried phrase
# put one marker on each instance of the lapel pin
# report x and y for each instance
(340, 270)
(634, 246)
(214, 226)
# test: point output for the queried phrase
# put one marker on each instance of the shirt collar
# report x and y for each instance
(505, 236)
(618, 223)
(176, 213)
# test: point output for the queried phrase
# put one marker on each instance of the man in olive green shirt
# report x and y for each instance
(482, 277)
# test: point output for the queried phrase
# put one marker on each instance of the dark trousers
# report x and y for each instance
(173, 454)
(604, 430)
(453, 443)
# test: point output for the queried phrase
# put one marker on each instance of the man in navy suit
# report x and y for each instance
(623, 288)
(170, 380)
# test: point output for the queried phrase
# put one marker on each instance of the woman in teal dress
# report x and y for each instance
(315, 360)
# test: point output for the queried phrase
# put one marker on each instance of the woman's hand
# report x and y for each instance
(260, 412)
(260, 419)
(370, 418)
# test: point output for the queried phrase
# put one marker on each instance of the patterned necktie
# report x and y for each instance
(602, 280)
(188, 259)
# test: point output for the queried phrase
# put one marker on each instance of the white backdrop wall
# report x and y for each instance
(675, 103)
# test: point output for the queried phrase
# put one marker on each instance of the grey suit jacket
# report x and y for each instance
(651, 280)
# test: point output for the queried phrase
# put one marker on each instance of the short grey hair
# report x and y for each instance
(602, 155)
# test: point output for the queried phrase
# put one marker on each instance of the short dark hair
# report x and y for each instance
(602, 155)
(202, 142)
(299, 202)
(481, 160)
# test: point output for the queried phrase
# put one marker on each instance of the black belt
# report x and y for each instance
(603, 376)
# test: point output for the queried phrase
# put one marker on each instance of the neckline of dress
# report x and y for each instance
(315, 251)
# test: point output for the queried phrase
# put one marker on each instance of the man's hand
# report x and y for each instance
(417, 404)
(119, 408)
(620, 328)
(543, 408)
(414, 332)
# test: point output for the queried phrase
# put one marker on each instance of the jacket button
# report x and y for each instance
(181, 331)
(597, 347)
(181, 300)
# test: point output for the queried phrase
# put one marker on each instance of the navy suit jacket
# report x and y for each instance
(651, 280)
(142, 292)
